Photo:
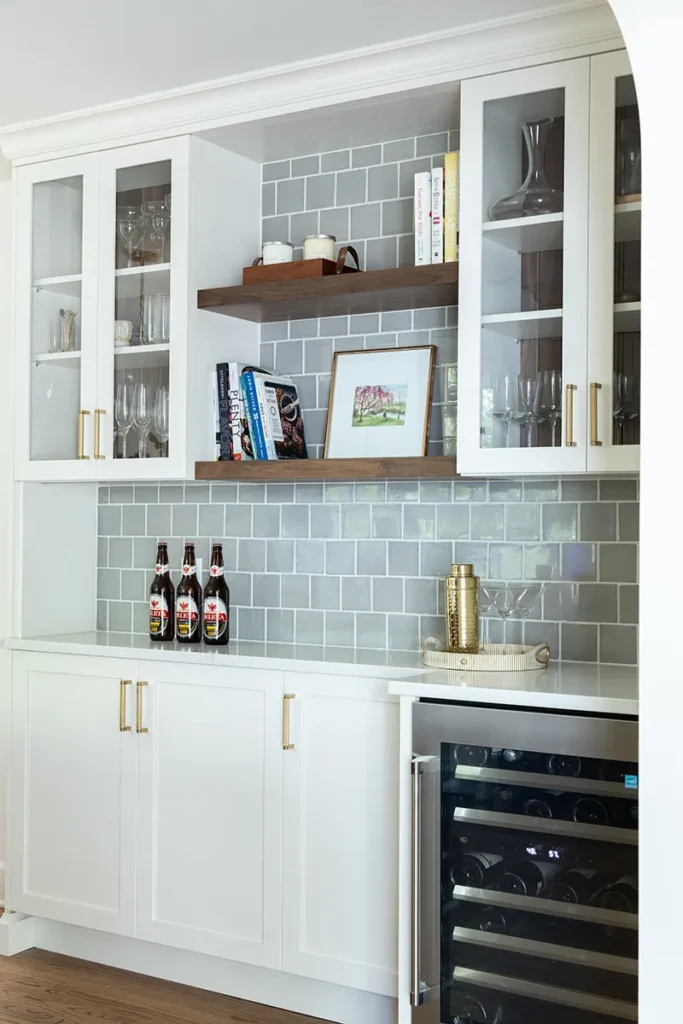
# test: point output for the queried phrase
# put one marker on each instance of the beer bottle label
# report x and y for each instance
(161, 568)
(216, 570)
(158, 613)
(189, 570)
(186, 616)
(215, 618)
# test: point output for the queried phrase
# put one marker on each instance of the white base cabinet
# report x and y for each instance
(340, 833)
(209, 810)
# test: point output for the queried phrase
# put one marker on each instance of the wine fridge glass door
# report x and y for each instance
(536, 838)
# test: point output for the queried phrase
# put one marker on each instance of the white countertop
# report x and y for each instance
(567, 686)
(379, 664)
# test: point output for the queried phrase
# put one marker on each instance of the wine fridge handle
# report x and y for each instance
(416, 777)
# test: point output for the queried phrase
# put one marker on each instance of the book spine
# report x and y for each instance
(264, 418)
(255, 425)
(224, 432)
(451, 190)
(236, 410)
(437, 215)
(423, 211)
(215, 423)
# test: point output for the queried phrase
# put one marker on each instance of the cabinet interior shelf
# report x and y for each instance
(372, 291)
(627, 222)
(626, 317)
(526, 234)
(62, 358)
(542, 323)
(149, 268)
(66, 284)
(427, 467)
(136, 357)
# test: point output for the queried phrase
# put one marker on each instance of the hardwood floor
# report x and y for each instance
(43, 988)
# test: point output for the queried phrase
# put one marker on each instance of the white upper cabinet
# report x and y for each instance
(614, 267)
(549, 270)
(113, 357)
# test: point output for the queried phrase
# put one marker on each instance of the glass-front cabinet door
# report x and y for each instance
(523, 280)
(143, 263)
(56, 318)
(614, 267)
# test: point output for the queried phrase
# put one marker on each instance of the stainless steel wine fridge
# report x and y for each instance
(525, 867)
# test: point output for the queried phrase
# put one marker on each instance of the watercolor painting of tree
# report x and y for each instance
(380, 405)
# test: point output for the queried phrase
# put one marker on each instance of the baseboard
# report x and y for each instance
(17, 933)
(257, 984)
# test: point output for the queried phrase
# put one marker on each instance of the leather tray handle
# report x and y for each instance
(341, 257)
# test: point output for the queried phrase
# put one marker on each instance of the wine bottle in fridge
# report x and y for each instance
(476, 869)
(590, 811)
(580, 885)
(563, 764)
(546, 805)
(526, 878)
(621, 895)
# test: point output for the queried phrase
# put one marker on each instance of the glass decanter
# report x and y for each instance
(535, 196)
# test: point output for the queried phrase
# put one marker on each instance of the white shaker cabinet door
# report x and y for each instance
(71, 854)
(209, 811)
(340, 836)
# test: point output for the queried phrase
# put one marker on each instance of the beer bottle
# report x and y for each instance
(161, 598)
(188, 604)
(216, 616)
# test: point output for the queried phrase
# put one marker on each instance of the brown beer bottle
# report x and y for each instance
(161, 598)
(188, 603)
(216, 616)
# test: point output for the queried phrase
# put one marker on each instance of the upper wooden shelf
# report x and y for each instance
(372, 291)
(427, 467)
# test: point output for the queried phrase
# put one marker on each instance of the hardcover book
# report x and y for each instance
(423, 218)
(239, 425)
(283, 423)
(437, 215)
(451, 195)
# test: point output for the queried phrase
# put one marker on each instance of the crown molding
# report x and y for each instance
(571, 30)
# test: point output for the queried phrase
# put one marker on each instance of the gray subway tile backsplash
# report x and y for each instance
(361, 565)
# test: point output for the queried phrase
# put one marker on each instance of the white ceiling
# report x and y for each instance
(62, 56)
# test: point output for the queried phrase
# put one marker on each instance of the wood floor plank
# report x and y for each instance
(44, 988)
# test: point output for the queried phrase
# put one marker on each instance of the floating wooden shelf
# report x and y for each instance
(428, 467)
(373, 291)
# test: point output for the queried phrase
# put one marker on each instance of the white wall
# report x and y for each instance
(653, 36)
(5, 477)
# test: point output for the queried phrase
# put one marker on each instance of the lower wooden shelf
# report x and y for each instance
(427, 467)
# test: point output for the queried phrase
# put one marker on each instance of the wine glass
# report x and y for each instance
(123, 412)
(160, 221)
(130, 228)
(549, 401)
(142, 416)
(630, 397)
(528, 404)
(161, 428)
(506, 402)
(618, 405)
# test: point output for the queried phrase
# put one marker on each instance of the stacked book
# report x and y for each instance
(257, 415)
(436, 213)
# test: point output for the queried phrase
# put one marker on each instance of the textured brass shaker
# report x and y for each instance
(462, 609)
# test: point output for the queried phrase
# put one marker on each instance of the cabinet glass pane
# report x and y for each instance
(522, 252)
(142, 332)
(56, 290)
(626, 383)
(539, 887)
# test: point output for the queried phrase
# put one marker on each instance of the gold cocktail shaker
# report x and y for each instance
(462, 609)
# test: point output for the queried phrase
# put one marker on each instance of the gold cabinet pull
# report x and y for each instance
(594, 415)
(286, 745)
(139, 727)
(96, 441)
(569, 416)
(82, 413)
(122, 705)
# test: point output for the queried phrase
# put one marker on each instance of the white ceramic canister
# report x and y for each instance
(319, 247)
(277, 252)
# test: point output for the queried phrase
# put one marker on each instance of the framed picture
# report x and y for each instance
(380, 401)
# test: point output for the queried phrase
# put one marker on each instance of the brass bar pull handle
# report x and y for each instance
(122, 705)
(139, 727)
(82, 413)
(96, 441)
(569, 416)
(594, 415)
(286, 745)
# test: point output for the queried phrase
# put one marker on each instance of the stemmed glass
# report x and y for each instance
(160, 220)
(623, 402)
(130, 228)
(123, 412)
(161, 427)
(506, 402)
(631, 403)
(549, 400)
(528, 402)
(142, 416)
(508, 598)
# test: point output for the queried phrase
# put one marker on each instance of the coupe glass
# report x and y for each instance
(535, 196)
(123, 412)
(506, 402)
(161, 428)
(130, 228)
(549, 401)
(142, 416)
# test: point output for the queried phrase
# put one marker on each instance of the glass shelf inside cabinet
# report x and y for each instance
(539, 887)
(142, 330)
(56, 294)
(522, 267)
(627, 228)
